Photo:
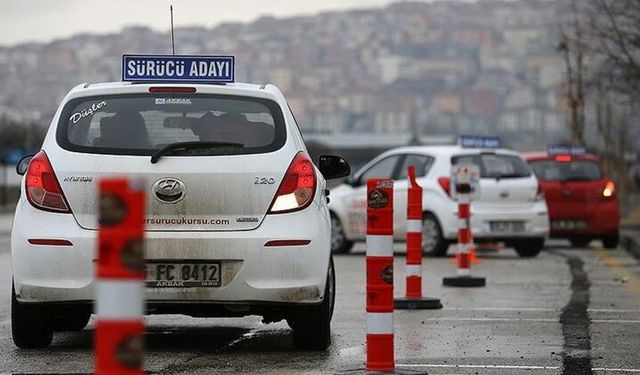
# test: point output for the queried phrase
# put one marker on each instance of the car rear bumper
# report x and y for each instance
(600, 219)
(534, 216)
(251, 272)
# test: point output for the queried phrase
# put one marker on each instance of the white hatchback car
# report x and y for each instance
(229, 182)
(510, 206)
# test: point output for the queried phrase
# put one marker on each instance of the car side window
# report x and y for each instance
(384, 168)
(422, 164)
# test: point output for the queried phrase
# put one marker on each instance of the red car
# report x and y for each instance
(581, 199)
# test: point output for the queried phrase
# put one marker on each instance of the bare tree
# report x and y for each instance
(614, 26)
(573, 48)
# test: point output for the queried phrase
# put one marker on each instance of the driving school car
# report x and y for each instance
(236, 214)
(582, 200)
(509, 206)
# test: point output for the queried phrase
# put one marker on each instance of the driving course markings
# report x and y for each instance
(614, 263)
(510, 367)
(536, 309)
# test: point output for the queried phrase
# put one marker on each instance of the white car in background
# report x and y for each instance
(510, 207)
(229, 184)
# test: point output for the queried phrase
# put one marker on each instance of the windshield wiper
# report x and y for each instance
(184, 146)
(506, 175)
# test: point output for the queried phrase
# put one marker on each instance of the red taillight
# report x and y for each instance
(278, 243)
(445, 184)
(539, 193)
(165, 89)
(563, 158)
(43, 189)
(609, 190)
(297, 188)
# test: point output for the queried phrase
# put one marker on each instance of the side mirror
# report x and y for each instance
(23, 164)
(333, 167)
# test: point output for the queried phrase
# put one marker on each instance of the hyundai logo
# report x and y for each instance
(504, 194)
(169, 190)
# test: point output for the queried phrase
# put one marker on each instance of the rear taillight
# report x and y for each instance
(445, 184)
(539, 193)
(41, 184)
(609, 190)
(297, 188)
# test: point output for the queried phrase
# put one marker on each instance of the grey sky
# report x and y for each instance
(45, 20)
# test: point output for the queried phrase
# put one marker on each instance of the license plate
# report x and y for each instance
(568, 224)
(183, 275)
(506, 226)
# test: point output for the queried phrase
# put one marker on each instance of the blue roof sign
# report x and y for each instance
(566, 150)
(470, 141)
(180, 68)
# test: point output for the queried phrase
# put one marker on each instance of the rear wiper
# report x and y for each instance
(183, 146)
(501, 176)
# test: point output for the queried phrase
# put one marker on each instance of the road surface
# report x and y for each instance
(568, 311)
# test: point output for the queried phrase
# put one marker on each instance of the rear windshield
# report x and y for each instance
(495, 165)
(576, 170)
(143, 123)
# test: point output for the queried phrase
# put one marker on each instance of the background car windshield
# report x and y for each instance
(577, 170)
(141, 124)
(495, 166)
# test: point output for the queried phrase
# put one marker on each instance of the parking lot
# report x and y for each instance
(568, 310)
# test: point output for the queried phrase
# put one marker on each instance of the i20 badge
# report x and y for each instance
(169, 190)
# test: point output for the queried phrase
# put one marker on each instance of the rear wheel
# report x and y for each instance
(312, 324)
(433, 243)
(529, 248)
(611, 241)
(30, 325)
(579, 241)
(339, 242)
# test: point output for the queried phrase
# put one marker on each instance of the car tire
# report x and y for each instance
(312, 325)
(611, 241)
(579, 241)
(433, 242)
(72, 321)
(339, 242)
(30, 325)
(529, 248)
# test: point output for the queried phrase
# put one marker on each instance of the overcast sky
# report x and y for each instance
(45, 20)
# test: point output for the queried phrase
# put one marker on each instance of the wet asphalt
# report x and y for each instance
(568, 311)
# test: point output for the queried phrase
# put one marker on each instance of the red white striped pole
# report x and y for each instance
(464, 278)
(120, 276)
(464, 235)
(380, 275)
(413, 292)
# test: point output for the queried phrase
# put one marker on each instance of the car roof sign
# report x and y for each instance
(566, 150)
(472, 141)
(218, 69)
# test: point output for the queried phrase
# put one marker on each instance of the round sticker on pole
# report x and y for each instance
(465, 180)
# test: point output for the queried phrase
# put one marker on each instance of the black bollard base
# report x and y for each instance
(464, 281)
(422, 303)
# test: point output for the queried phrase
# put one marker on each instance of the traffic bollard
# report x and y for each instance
(473, 257)
(379, 265)
(464, 278)
(379, 260)
(413, 299)
(120, 277)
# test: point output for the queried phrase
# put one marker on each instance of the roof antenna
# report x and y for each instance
(173, 42)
